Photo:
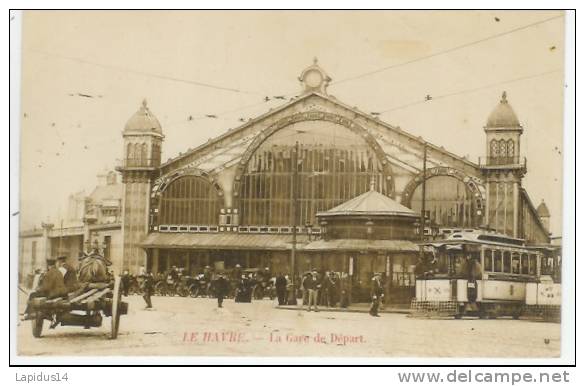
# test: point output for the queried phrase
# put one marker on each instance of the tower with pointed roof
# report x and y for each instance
(543, 215)
(142, 156)
(503, 169)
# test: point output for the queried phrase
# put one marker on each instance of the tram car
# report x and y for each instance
(488, 275)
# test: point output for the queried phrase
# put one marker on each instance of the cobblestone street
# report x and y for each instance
(196, 327)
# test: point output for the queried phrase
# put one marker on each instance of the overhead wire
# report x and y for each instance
(142, 73)
(443, 52)
(470, 90)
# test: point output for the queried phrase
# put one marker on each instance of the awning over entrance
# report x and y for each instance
(362, 245)
(221, 241)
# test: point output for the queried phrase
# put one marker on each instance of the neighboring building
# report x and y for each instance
(91, 221)
(229, 200)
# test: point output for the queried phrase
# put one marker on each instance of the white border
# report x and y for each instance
(568, 200)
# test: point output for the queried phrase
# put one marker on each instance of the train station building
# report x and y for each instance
(356, 181)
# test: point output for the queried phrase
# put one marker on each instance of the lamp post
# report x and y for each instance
(293, 295)
(423, 206)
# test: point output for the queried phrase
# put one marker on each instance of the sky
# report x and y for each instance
(224, 63)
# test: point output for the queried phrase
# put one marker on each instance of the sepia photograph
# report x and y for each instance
(301, 183)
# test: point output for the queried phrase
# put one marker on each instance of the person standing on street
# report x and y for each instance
(221, 289)
(147, 288)
(280, 285)
(125, 281)
(377, 294)
(311, 285)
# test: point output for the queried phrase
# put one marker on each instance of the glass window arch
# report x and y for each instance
(190, 200)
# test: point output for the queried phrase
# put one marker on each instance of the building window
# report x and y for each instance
(190, 200)
(107, 246)
(503, 148)
(494, 148)
(510, 148)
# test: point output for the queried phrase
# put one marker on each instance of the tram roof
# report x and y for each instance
(479, 237)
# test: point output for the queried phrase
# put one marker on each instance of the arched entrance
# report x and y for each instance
(337, 160)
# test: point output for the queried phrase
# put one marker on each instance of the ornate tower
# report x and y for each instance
(503, 169)
(142, 154)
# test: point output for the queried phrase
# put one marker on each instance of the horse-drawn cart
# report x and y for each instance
(82, 308)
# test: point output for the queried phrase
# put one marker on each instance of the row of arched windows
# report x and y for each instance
(137, 155)
(501, 148)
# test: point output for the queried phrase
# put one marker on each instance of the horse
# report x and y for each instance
(93, 269)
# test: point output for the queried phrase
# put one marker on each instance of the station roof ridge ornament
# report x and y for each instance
(314, 79)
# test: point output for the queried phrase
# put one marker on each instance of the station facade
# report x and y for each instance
(232, 200)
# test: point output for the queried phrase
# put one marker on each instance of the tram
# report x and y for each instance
(486, 274)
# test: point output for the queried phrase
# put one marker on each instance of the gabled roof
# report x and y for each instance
(107, 192)
(215, 157)
(371, 203)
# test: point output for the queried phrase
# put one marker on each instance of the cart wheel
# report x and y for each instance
(116, 302)
(193, 291)
(37, 326)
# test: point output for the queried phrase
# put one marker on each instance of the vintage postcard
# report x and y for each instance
(291, 184)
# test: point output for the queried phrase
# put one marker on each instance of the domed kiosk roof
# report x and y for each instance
(143, 121)
(503, 115)
(370, 203)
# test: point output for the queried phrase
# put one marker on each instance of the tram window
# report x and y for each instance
(524, 264)
(515, 263)
(507, 262)
(488, 261)
(443, 263)
(532, 265)
(497, 257)
(458, 264)
(546, 266)
(497, 261)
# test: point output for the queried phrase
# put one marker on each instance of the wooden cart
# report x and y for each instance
(84, 309)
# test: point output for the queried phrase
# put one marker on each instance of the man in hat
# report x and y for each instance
(237, 272)
(69, 274)
(221, 289)
(53, 284)
(311, 285)
(147, 285)
(377, 294)
(280, 285)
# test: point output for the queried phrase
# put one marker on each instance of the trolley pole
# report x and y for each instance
(61, 239)
(293, 296)
(423, 203)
